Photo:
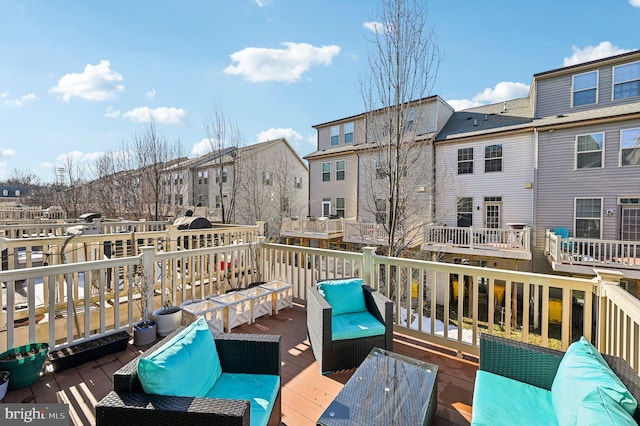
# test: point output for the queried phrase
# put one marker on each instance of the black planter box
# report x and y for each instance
(77, 354)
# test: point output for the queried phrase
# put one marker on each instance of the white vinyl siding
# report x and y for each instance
(517, 200)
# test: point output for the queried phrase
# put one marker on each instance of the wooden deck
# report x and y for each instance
(305, 392)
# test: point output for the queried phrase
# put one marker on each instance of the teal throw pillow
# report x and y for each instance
(583, 376)
(344, 296)
(187, 365)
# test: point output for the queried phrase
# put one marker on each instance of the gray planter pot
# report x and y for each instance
(167, 319)
(144, 334)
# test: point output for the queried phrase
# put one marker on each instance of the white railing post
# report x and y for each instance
(149, 277)
(367, 266)
(604, 278)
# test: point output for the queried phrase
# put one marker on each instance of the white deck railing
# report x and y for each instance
(442, 303)
(315, 227)
(592, 252)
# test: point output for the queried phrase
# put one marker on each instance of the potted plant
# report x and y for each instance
(4, 383)
(24, 364)
(144, 331)
(167, 318)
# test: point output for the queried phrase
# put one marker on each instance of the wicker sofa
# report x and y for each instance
(533, 365)
(333, 355)
(238, 353)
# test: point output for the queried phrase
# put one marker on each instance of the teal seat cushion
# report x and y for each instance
(584, 377)
(498, 400)
(187, 365)
(355, 325)
(260, 390)
(344, 296)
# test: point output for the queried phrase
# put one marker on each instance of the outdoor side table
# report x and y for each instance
(282, 296)
(387, 389)
(260, 301)
(237, 309)
(212, 311)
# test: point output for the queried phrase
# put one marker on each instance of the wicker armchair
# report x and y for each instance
(342, 354)
(238, 353)
(537, 365)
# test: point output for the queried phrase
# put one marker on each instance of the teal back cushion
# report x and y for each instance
(584, 376)
(187, 365)
(344, 296)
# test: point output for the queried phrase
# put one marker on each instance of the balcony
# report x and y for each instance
(581, 255)
(321, 228)
(440, 311)
(510, 243)
(365, 233)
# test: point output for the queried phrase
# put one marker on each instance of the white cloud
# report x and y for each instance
(591, 53)
(19, 102)
(634, 3)
(373, 26)
(159, 115)
(111, 112)
(202, 147)
(151, 93)
(294, 138)
(7, 153)
(503, 91)
(78, 157)
(259, 64)
(96, 83)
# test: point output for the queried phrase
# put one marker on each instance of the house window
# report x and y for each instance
(218, 201)
(626, 81)
(340, 170)
(266, 178)
(381, 210)
(465, 212)
(17, 192)
(493, 158)
(297, 182)
(630, 147)
(465, 161)
(221, 174)
(585, 88)
(409, 123)
(284, 207)
(326, 172)
(379, 171)
(335, 135)
(588, 217)
(589, 151)
(348, 132)
(5, 192)
(205, 177)
(340, 207)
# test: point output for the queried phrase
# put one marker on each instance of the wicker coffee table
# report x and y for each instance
(387, 389)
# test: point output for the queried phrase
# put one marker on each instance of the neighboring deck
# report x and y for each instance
(305, 392)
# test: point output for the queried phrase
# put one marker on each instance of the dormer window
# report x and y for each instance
(626, 81)
(585, 88)
(335, 135)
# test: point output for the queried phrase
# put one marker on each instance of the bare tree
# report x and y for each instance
(225, 137)
(68, 184)
(152, 154)
(403, 65)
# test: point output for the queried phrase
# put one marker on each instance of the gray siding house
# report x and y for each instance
(587, 173)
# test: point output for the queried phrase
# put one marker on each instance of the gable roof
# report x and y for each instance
(515, 114)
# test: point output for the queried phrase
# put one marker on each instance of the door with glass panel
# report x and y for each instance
(492, 219)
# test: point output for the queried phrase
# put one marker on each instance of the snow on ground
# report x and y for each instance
(467, 335)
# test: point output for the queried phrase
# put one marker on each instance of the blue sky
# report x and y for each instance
(83, 77)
